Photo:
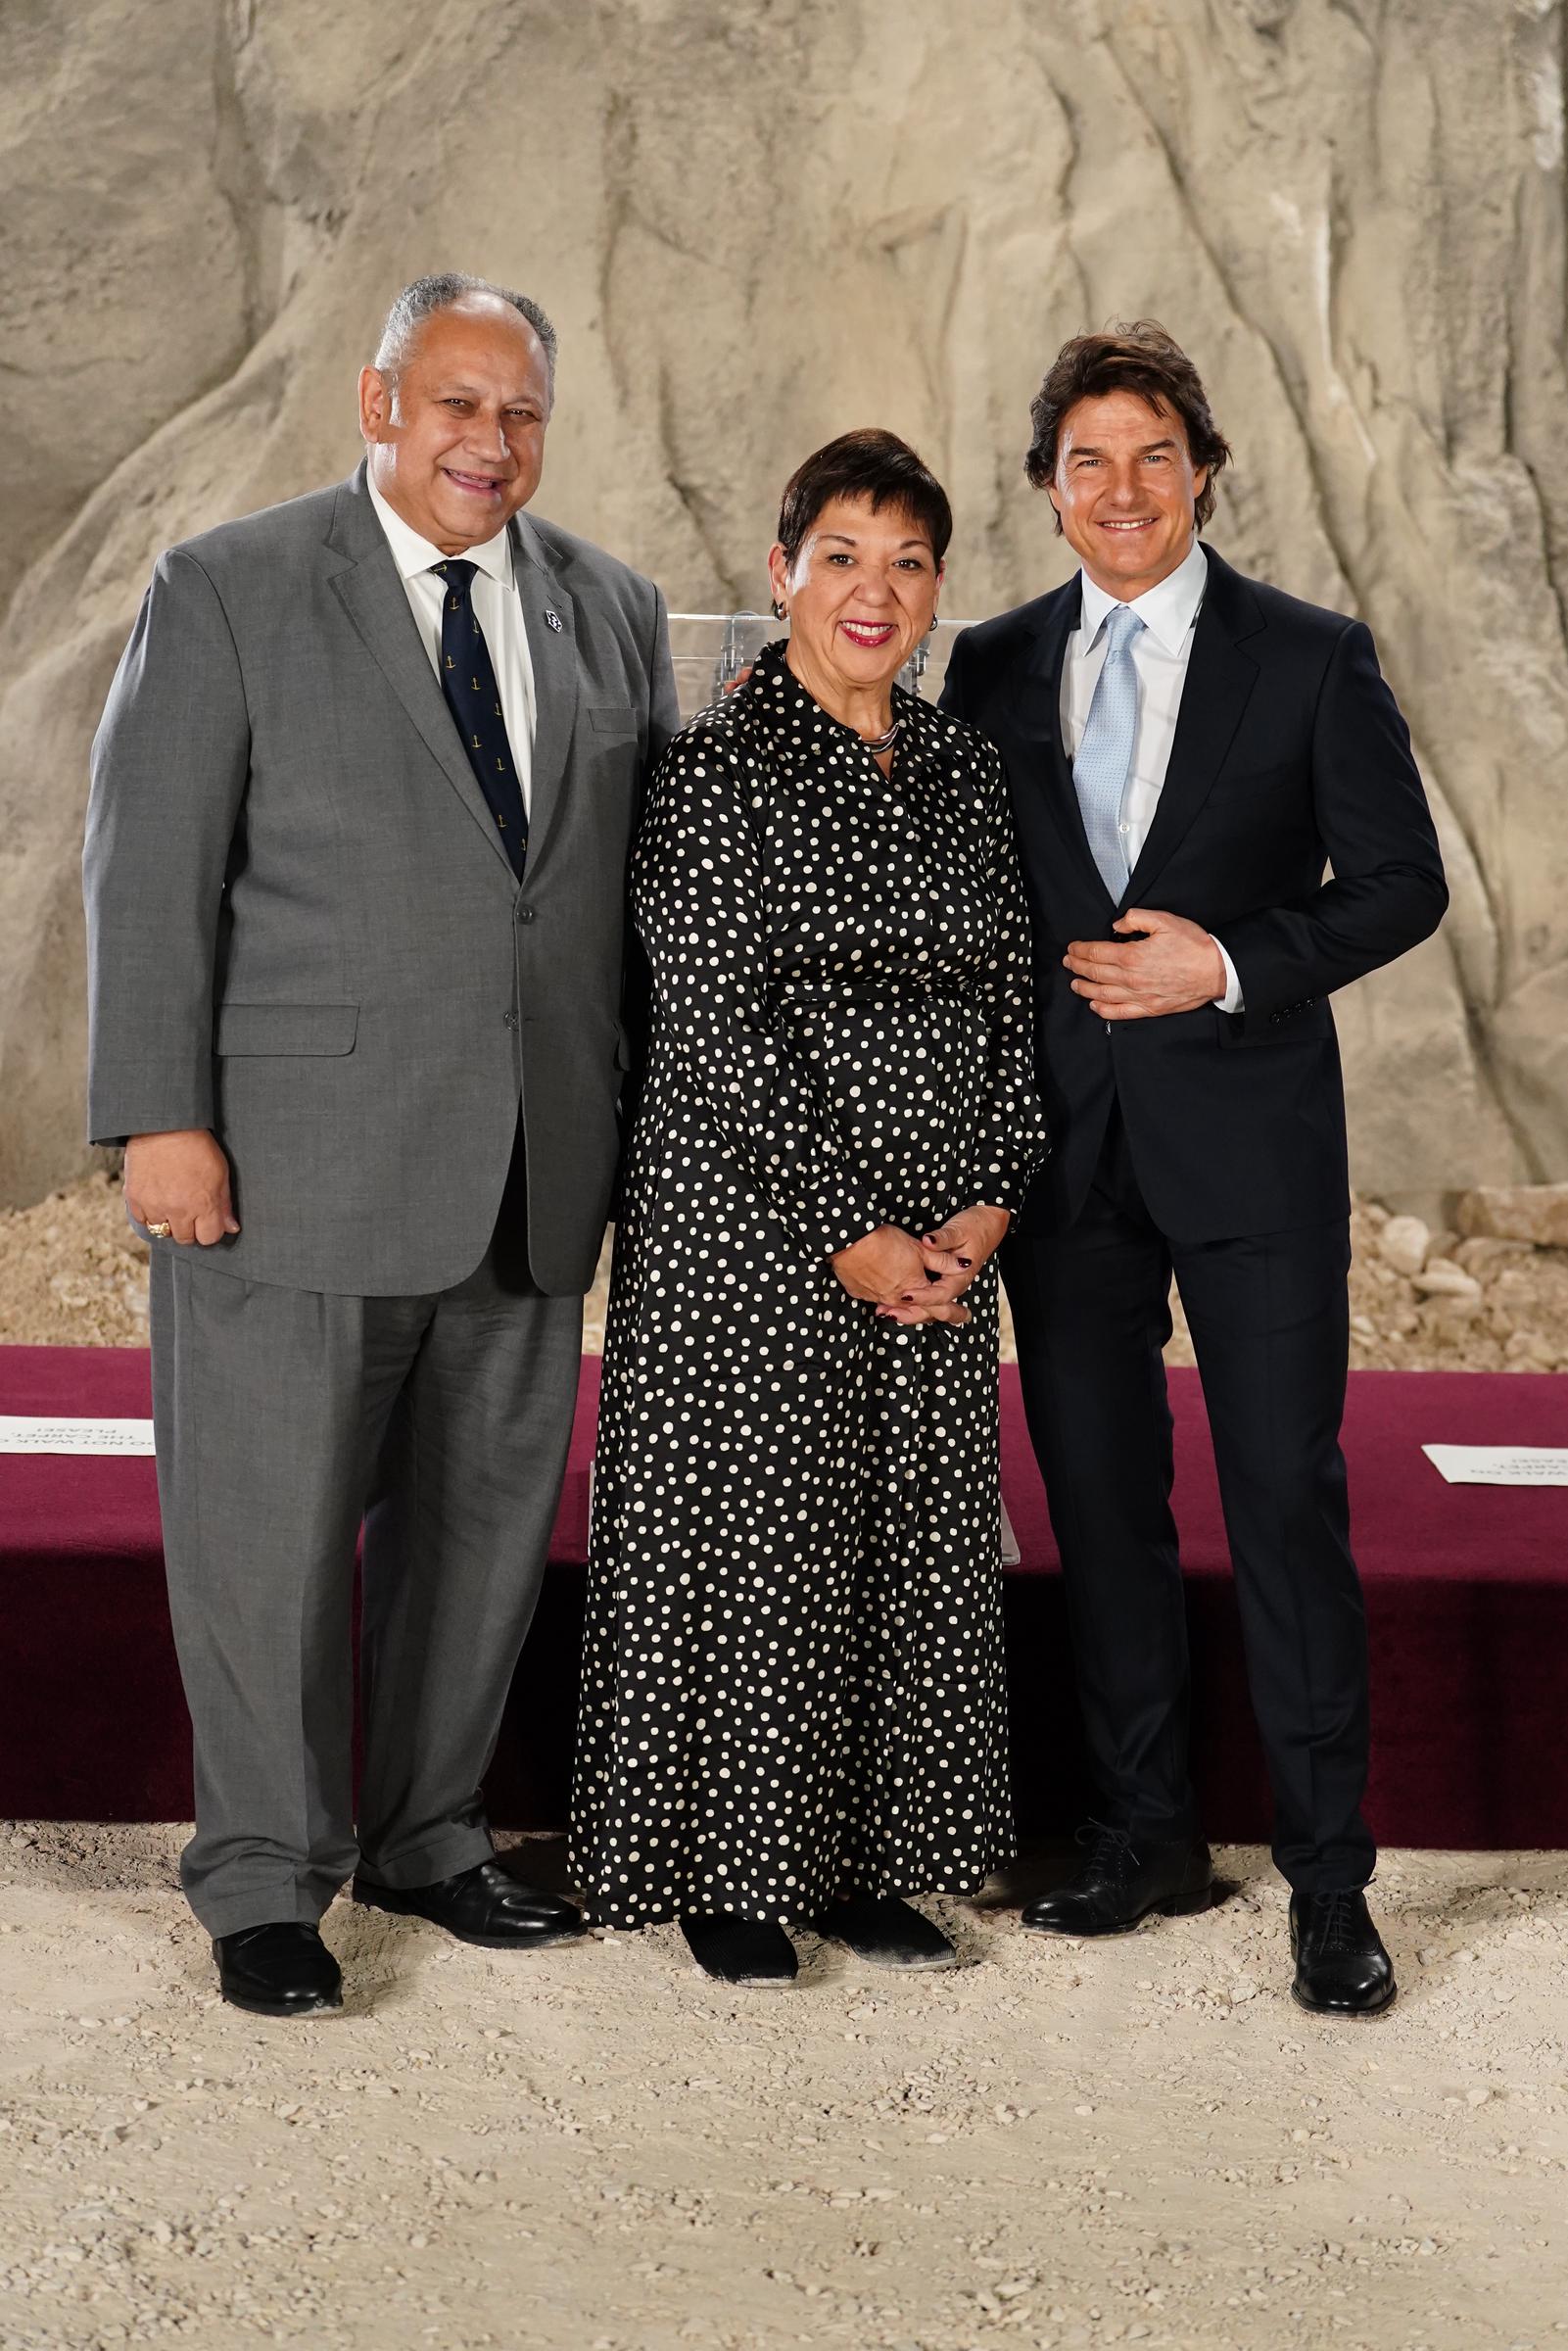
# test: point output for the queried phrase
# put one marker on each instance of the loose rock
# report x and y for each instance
(1404, 1243)
(1521, 1212)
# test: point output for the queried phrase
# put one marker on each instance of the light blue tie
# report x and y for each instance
(1104, 762)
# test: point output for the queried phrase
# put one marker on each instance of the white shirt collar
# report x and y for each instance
(1167, 611)
(413, 554)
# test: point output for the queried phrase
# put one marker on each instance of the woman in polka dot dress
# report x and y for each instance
(793, 1702)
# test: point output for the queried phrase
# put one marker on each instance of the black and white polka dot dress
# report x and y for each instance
(792, 1671)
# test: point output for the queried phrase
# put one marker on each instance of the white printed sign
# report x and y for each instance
(22, 1435)
(1499, 1464)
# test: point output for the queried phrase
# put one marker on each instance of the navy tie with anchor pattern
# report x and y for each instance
(468, 682)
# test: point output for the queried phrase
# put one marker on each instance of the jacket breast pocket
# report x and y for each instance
(612, 719)
(286, 1029)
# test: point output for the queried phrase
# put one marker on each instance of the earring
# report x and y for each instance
(777, 610)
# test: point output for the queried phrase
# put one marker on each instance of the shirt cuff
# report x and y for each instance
(1231, 1000)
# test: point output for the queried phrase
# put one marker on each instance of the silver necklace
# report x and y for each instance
(878, 744)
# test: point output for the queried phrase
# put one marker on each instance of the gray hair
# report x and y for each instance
(428, 295)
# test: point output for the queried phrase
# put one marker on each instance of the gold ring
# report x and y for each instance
(159, 1232)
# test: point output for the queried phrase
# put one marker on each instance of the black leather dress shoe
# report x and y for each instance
(282, 1970)
(1122, 1884)
(739, 1950)
(1342, 1968)
(886, 1932)
(484, 1905)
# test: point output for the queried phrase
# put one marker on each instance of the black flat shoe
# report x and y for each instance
(739, 1950)
(484, 1905)
(1342, 1968)
(282, 1970)
(886, 1932)
(1122, 1884)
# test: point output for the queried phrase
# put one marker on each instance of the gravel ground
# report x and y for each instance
(1140, 2141)
(72, 1274)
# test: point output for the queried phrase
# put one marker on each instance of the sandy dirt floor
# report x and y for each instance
(1140, 2141)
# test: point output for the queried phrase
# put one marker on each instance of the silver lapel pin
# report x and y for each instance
(553, 618)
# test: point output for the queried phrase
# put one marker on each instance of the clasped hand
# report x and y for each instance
(910, 1280)
(1174, 967)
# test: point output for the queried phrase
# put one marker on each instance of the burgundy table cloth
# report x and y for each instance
(1467, 1604)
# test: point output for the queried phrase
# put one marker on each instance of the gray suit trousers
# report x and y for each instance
(282, 1417)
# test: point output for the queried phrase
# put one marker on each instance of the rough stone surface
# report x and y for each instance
(758, 224)
(72, 1274)
(1524, 1212)
(1058, 2146)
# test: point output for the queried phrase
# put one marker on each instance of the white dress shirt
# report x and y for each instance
(1159, 655)
(498, 609)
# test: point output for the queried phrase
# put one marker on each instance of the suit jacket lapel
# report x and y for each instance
(1044, 775)
(549, 619)
(1219, 680)
(373, 596)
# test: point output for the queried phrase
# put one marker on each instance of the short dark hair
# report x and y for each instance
(437, 292)
(869, 463)
(1128, 356)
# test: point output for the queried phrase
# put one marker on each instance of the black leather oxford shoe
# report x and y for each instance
(740, 1950)
(1342, 1968)
(886, 1932)
(1122, 1884)
(282, 1970)
(484, 1905)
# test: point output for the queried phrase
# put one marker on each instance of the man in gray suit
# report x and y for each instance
(362, 801)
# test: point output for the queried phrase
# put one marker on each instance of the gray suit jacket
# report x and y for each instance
(304, 931)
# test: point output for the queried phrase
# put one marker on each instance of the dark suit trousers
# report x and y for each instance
(283, 1419)
(1269, 1317)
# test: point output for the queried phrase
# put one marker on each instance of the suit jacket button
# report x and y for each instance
(525, 914)
(510, 1019)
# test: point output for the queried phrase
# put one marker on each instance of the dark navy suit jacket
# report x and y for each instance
(1290, 755)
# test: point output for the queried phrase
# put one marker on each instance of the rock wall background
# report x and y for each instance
(757, 223)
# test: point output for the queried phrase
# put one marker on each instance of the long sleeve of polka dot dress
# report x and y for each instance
(1010, 1138)
(701, 903)
(792, 1664)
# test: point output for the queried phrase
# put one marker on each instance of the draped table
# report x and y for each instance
(1466, 1589)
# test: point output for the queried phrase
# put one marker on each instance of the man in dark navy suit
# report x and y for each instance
(1188, 751)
